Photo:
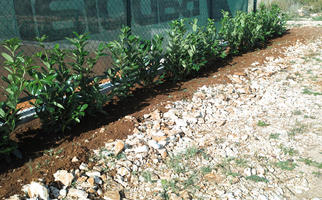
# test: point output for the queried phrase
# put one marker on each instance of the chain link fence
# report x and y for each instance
(102, 19)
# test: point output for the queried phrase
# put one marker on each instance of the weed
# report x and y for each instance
(317, 174)
(30, 166)
(310, 162)
(190, 181)
(288, 151)
(274, 136)
(309, 92)
(166, 186)
(317, 59)
(297, 130)
(119, 156)
(257, 179)
(205, 155)
(318, 18)
(286, 165)
(233, 174)
(308, 116)
(191, 152)
(262, 123)
(297, 112)
(206, 170)
(148, 177)
(298, 74)
(59, 151)
(176, 164)
(50, 152)
(241, 162)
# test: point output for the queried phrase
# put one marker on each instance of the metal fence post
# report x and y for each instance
(128, 13)
(210, 10)
(255, 6)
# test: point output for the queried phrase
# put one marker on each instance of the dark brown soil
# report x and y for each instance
(44, 153)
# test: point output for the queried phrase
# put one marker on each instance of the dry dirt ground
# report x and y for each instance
(44, 153)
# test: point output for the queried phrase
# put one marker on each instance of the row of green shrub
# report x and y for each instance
(65, 92)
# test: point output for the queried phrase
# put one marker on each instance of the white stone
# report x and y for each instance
(248, 172)
(93, 173)
(112, 195)
(83, 166)
(63, 193)
(154, 144)
(36, 190)
(64, 177)
(141, 149)
(75, 159)
(78, 194)
(14, 197)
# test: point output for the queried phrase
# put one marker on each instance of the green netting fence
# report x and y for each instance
(102, 19)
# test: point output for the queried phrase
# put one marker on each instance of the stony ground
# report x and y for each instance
(257, 138)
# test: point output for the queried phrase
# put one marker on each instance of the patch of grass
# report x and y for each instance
(30, 167)
(310, 162)
(286, 165)
(297, 112)
(192, 152)
(289, 151)
(205, 155)
(274, 136)
(233, 174)
(262, 123)
(314, 78)
(241, 162)
(298, 74)
(148, 177)
(176, 164)
(299, 129)
(166, 186)
(309, 71)
(190, 181)
(318, 18)
(317, 174)
(308, 116)
(120, 156)
(50, 152)
(206, 169)
(257, 179)
(59, 151)
(309, 92)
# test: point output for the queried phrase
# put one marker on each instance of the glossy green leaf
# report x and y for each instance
(7, 57)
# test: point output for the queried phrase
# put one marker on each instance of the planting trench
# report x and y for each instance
(45, 153)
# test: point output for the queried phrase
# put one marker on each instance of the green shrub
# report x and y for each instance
(247, 31)
(272, 20)
(136, 61)
(83, 72)
(17, 66)
(213, 50)
(187, 52)
(241, 32)
(64, 92)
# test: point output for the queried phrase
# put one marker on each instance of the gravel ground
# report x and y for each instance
(256, 138)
